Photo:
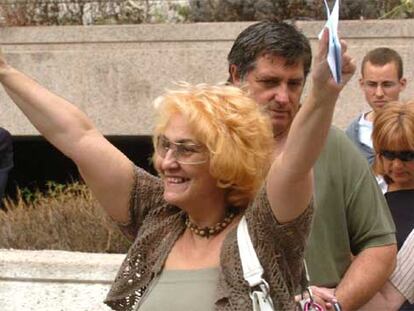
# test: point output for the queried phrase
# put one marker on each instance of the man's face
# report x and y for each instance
(277, 87)
(381, 84)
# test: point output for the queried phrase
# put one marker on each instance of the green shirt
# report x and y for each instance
(182, 290)
(351, 212)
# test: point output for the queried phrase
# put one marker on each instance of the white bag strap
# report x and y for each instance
(261, 302)
(253, 270)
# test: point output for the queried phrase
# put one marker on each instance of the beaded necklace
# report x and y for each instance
(207, 232)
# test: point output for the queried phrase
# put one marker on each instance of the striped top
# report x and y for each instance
(403, 275)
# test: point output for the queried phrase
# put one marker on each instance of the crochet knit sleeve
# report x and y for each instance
(284, 243)
(146, 193)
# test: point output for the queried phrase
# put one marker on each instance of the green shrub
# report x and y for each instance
(65, 217)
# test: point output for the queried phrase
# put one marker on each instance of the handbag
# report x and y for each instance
(253, 270)
(309, 304)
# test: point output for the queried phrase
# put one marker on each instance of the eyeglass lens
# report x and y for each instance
(184, 152)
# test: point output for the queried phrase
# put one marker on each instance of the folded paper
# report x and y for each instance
(334, 50)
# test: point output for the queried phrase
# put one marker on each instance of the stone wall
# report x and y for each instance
(114, 72)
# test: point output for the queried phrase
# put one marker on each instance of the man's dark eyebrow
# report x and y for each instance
(297, 80)
(277, 79)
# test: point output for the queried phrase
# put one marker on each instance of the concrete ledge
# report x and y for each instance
(122, 33)
(190, 32)
(55, 280)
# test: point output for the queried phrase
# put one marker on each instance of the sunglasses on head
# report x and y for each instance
(404, 156)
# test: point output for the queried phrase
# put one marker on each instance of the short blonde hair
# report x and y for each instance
(393, 130)
(237, 135)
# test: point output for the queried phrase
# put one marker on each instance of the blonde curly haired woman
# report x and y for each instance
(211, 149)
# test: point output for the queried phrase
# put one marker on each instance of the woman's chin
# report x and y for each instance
(174, 199)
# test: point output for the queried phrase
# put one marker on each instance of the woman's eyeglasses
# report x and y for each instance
(404, 156)
(186, 152)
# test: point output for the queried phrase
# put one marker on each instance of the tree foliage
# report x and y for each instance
(88, 12)
(252, 10)
(95, 12)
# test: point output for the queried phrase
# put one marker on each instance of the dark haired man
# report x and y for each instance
(272, 60)
(382, 82)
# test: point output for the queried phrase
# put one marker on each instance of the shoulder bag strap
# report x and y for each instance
(253, 270)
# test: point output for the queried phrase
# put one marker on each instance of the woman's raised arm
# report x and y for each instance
(289, 184)
(107, 171)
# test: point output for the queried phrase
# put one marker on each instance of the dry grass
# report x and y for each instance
(65, 217)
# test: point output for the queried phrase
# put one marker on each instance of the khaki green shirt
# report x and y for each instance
(182, 290)
(351, 213)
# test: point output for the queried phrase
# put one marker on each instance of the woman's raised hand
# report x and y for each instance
(107, 171)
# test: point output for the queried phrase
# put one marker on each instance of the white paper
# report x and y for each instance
(334, 50)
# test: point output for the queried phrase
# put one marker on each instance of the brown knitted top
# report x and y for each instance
(157, 225)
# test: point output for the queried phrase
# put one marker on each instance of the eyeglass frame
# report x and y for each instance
(404, 156)
(372, 86)
(179, 149)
